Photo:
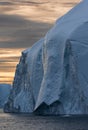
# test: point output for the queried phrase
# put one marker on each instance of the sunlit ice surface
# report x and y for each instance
(22, 23)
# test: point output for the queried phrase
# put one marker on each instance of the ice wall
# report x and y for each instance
(27, 81)
(52, 76)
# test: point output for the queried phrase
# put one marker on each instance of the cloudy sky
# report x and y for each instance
(22, 23)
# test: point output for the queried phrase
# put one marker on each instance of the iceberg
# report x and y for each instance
(52, 76)
(4, 94)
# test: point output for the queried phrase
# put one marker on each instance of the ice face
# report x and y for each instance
(52, 76)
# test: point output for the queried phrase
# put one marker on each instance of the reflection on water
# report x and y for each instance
(22, 23)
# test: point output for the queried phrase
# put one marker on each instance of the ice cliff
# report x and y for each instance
(52, 76)
(4, 93)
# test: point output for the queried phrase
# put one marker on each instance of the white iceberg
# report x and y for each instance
(52, 76)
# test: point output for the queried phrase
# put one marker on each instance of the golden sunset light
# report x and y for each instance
(43, 64)
(22, 23)
(8, 61)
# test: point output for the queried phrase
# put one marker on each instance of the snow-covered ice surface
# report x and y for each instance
(4, 93)
(52, 76)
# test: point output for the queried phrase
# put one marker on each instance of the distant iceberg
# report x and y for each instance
(4, 93)
(52, 76)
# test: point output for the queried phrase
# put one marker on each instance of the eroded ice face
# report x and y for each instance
(22, 23)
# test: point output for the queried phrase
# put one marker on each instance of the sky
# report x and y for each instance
(22, 23)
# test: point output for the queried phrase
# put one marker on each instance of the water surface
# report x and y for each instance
(31, 122)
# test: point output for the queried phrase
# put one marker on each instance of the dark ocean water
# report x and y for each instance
(31, 122)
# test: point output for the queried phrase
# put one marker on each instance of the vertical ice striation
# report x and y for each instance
(52, 76)
(27, 81)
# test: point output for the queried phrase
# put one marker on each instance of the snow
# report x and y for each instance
(52, 76)
(4, 93)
